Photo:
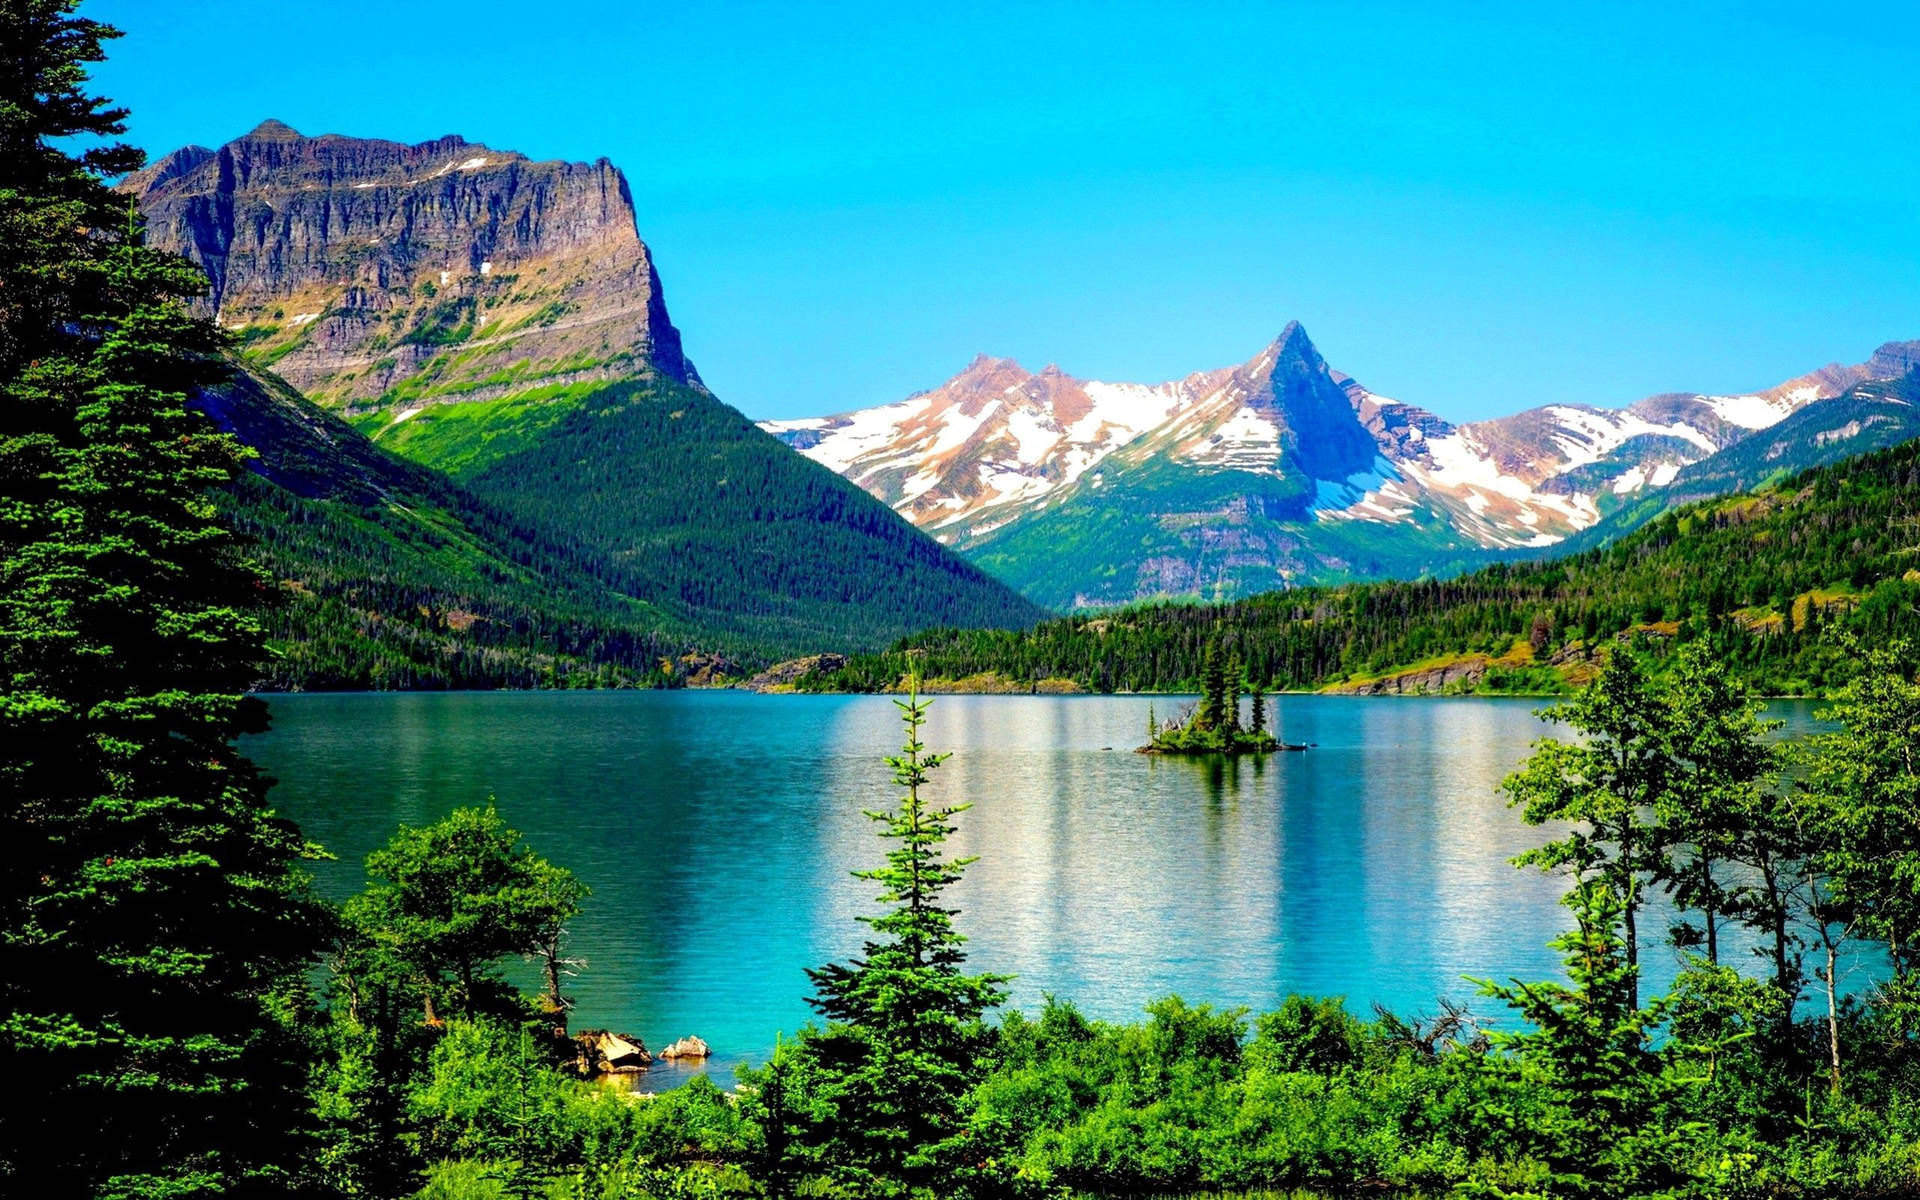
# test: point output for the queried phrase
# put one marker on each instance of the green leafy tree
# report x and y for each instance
(1721, 763)
(1606, 787)
(890, 1073)
(153, 925)
(447, 902)
(1858, 815)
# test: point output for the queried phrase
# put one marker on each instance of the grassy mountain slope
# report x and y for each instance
(694, 506)
(396, 577)
(1775, 577)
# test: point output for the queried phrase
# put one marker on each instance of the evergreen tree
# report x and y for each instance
(905, 1030)
(1213, 692)
(152, 922)
(1583, 1080)
(1257, 718)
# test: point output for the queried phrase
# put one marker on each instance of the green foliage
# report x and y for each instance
(880, 1090)
(1214, 727)
(447, 902)
(1771, 582)
(1582, 1084)
(153, 927)
(1605, 789)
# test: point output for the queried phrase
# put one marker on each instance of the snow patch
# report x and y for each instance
(1751, 412)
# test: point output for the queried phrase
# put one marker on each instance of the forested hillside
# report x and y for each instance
(1775, 578)
(721, 524)
(393, 577)
(1868, 416)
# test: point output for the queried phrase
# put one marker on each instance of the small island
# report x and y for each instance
(1212, 726)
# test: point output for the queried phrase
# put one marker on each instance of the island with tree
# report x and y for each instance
(1212, 725)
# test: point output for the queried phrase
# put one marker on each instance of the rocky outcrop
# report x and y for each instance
(707, 670)
(1462, 674)
(371, 273)
(603, 1052)
(782, 676)
(687, 1048)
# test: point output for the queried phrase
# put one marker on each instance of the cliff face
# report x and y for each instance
(375, 275)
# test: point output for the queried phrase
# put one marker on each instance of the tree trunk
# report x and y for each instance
(1628, 920)
(1706, 900)
(426, 994)
(1833, 1020)
(555, 1003)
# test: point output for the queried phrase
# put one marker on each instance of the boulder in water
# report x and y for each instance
(603, 1052)
(687, 1047)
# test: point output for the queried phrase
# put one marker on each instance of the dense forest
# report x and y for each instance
(1772, 579)
(392, 576)
(692, 505)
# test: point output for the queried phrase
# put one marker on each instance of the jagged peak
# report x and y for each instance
(1293, 342)
(987, 364)
(1293, 346)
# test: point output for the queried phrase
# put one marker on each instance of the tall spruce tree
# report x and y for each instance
(905, 1030)
(151, 917)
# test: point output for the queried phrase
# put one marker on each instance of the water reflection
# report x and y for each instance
(718, 829)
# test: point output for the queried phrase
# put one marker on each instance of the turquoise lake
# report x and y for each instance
(717, 830)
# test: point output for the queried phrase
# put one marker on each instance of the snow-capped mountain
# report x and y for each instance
(988, 444)
(1281, 470)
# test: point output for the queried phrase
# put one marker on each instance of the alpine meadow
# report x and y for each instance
(449, 750)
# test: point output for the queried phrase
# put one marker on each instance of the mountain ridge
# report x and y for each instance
(1395, 489)
(499, 321)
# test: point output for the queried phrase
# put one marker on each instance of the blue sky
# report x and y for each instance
(1473, 211)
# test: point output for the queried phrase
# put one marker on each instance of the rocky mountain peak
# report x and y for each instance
(1320, 430)
(1894, 359)
(1293, 345)
(271, 129)
(374, 274)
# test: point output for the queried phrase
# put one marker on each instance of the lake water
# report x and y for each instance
(717, 830)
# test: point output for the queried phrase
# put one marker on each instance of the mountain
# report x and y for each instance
(1279, 472)
(395, 577)
(1780, 578)
(501, 321)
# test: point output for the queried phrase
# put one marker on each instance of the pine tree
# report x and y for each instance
(1584, 1080)
(1257, 719)
(1213, 692)
(151, 919)
(1236, 684)
(905, 1028)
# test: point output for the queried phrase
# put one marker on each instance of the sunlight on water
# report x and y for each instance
(717, 830)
